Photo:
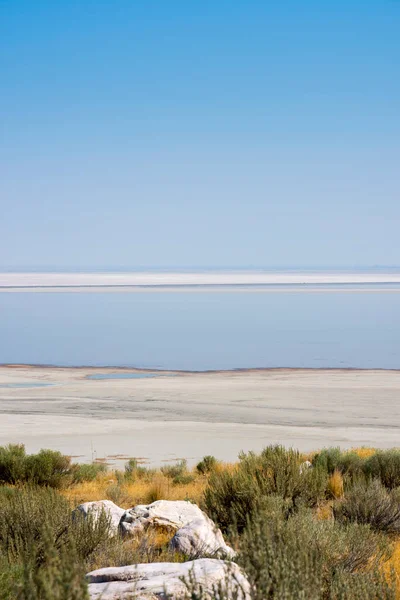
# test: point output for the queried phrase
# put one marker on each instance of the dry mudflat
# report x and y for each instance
(180, 414)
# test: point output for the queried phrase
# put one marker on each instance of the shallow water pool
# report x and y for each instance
(25, 385)
(126, 375)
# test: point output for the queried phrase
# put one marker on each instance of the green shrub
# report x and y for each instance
(26, 511)
(207, 465)
(12, 463)
(49, 573)
(87, 472)
(48, 468)
(300, 557)
(184, 479)
(333, 459)
(134, 471)
(172, 471)
(369, 502)
(384, 464)
(231, 497)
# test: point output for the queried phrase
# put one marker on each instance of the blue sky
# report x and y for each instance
(183, 133)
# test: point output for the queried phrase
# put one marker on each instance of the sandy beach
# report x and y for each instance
(183, 414)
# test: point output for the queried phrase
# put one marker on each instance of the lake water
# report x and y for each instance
(201, 331)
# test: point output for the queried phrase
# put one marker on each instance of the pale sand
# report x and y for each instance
(192, 414)
(75, 281)
(196, 289)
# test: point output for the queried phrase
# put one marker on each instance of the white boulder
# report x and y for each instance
(113, 511)
(201, 537)
(165, 514)
(305, 466)
(158, 581)
(195, 534)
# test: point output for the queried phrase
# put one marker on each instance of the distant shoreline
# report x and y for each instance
(212, 288)
(239, 370)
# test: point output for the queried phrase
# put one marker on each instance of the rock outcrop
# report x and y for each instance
(163, 514)
(195, 534)
(158, 581)
(96, 508)
(201, 538)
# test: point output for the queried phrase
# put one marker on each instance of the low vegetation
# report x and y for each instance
(329, 531)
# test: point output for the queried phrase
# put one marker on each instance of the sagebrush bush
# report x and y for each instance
(87, 472)
(12, 463)
(50, 573)
(300, 557)
(231, 497)
(47, 468)
(25, 512)
(177, 470)
(385, 465)
(333, 459)
(44, 545)
(368, 501)
(134, 471)
(183, 479)
(207, 465)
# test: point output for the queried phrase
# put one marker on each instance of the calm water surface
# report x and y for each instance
(200, 331)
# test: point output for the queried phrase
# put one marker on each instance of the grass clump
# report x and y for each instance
(335, 487)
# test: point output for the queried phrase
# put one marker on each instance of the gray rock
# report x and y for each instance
(201, 537)
(158, 581)
(305, 466)
(95, 508)
(195, 534)
(163, 514)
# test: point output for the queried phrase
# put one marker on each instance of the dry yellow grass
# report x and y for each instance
(335, 484)
(324, 512)
(126, 494)
(363, 452)
(393, 564)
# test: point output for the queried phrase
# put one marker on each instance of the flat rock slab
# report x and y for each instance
(162, 581)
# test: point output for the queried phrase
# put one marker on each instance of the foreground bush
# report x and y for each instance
(231, 497)
(51, 574)
(300, 557)
(43, 546)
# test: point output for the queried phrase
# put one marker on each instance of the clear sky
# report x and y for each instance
(212, 132)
